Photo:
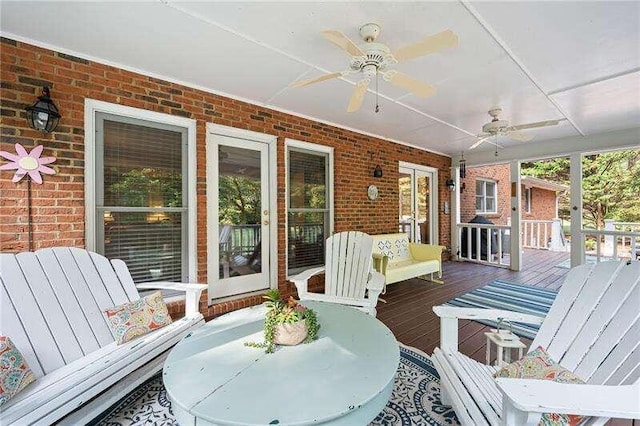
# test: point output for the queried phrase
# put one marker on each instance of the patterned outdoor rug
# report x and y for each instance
(415, 399)
(511, 297)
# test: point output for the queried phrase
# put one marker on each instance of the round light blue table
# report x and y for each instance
(343, 378)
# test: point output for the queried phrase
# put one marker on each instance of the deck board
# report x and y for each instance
(408, 312)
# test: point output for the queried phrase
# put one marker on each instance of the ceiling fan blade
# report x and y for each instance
(534, 125)
(358, 95)
(519, 136)
(343, 42)
(416, 87)
(478, 142)
(302, 83)
(427, 45)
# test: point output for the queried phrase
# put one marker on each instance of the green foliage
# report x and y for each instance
(143, 187)
(610, 185)
(239, 200)
(280, 311)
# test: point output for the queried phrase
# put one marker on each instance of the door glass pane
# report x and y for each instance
(423, 209)
(240, 205)
(404, 187)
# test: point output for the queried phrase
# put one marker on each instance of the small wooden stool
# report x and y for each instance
(503, 347)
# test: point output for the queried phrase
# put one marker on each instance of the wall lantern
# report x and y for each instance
(43, 115)
(451, 184)
(377, 172)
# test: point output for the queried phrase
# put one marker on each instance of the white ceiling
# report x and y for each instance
(536, 60)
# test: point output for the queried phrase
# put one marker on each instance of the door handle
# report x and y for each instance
(265, 222)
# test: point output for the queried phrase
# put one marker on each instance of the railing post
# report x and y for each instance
(556, 236)
(609, 240)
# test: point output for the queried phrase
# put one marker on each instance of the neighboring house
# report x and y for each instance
(486, 191)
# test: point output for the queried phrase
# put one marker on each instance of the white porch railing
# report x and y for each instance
(543, 235)
(476, 245)
(612, 245)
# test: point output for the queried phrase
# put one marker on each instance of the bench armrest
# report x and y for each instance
(380, 262)
(192, 297)
(544, 396)
(426, 251)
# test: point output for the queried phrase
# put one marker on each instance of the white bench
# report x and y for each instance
(591, 329)
(52, 304)
(398, 259)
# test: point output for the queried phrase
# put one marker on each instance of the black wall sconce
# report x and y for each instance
(377, 172)
(43, 115)
(451, 184)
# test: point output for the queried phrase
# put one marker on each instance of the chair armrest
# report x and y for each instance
(380, 262)
(488, 314)
(301, 280)
(426, 251)
(544, 396)
(192, 297)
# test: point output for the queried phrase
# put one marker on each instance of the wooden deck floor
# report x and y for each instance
(408, 310)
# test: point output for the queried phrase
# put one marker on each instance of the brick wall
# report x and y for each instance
(58, 204)
(498, 173)
(543, 206)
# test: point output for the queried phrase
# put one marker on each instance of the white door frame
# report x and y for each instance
(433, 198)
(214, 130)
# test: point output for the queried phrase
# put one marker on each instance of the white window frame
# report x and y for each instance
(320, 149)
(486, 181)
(91, 108)
(528, 198)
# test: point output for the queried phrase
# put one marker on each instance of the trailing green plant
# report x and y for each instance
(281, 311)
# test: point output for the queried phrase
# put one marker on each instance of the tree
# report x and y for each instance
(239, 200)
(610, 185)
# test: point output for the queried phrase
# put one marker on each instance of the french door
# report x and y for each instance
(240, 197)
(418, 213)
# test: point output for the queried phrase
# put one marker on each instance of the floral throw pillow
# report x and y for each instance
(538, 365)
(134, 319)
(15, 373)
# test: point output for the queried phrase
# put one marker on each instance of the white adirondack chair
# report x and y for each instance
(349, 277)
(592, 329)
(52, 304)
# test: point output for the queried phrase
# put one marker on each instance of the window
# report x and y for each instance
(309, 204)
(527, 200)
(140, 206)
(486, 196)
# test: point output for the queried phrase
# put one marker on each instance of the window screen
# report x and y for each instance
(141, 197)
(308, 211)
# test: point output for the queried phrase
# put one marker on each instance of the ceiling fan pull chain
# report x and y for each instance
(377, 106)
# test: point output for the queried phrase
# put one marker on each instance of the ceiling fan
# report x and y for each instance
(371, 59)
(497, 127)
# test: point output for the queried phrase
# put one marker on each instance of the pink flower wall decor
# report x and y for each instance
(30, 163)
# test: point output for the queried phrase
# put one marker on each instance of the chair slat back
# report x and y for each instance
(592, 327)
(348, 263)
(53, 302)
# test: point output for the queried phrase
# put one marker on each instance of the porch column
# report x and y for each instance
(516, 249)
(455, 212)
(577, 239)
(609, 225)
